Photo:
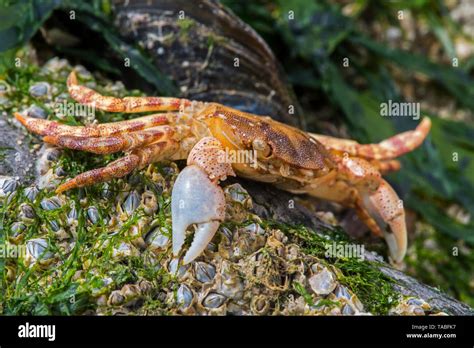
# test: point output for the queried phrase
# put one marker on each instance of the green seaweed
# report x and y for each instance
(185, 25)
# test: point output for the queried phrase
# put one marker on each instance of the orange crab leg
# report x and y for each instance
(111, 144)
(53, 128)
(87, 96)
(116, 169)
(387, 166)
(357, 184)
(377, 204)
(390, 148)
(139, 158)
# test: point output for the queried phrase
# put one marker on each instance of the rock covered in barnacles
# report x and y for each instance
(31, 192)
(48, 156)
(131, 203)
(40, 90)
(157, 240)
(248, 270)
(184, 297)
(204, 272)
(36, 112)
(8, 186)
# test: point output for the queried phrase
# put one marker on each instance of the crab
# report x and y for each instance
(205, 133)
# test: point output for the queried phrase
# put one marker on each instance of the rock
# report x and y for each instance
(15, 156)
(40, 89)
(36, 111)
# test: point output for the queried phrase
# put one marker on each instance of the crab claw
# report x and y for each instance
(195, 200)
(387, 210)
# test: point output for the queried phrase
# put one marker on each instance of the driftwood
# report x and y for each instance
(273, 203)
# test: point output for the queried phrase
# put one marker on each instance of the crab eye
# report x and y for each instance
(263, 148)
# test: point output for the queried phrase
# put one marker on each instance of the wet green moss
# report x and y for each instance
(185, 26)
(59, 290)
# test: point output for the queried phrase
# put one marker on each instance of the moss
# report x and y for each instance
(300, 289)
(185, 26)
(3, 152)
(55, 290)
(214, 39)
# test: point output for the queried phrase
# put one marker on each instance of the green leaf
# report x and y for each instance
(455, 80)
(20, 21)
(316, 30)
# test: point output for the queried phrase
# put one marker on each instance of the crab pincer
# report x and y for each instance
(197, 198)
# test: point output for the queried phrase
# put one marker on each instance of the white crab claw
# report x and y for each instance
(195, 200)
(202, 237)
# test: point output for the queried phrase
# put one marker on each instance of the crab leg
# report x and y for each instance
(53, 128)
(138, 158)
(390, 148)
(87, 96)
(111, 144)
(386, 209)
(377, 204)
(387, 166)
(365, 217)
(358, 184)
(197, 197)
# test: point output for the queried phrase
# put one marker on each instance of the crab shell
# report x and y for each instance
(273, 141)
